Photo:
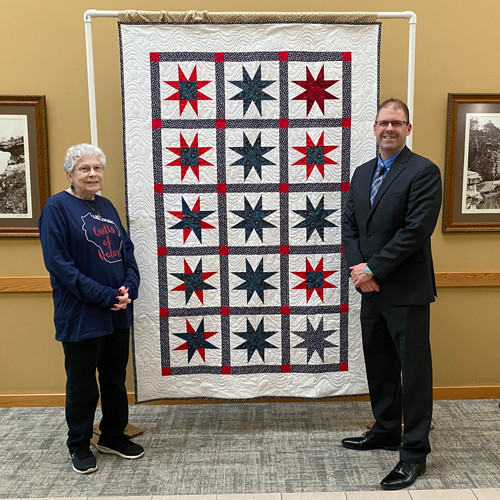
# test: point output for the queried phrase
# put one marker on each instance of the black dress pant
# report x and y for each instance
(109, 356)
(399, 370)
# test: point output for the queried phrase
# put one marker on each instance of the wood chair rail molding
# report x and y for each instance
(25, 284)
(440, 393)
(444, 280)
(28, 284)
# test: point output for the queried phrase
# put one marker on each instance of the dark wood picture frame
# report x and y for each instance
(472, 191)
(21, 204)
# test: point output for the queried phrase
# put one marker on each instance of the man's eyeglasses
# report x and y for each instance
(395, 124)
(85, 169)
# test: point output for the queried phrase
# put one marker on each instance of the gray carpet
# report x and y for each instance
(245, 448)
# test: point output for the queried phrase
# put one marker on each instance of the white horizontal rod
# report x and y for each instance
(407, 14)
(380, 15)
(89, 14)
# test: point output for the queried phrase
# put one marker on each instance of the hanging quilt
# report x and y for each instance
(240, 140)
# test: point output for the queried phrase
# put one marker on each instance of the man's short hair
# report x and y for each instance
(398, 103)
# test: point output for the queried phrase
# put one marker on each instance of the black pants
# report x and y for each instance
(399, 371)
(109, 355)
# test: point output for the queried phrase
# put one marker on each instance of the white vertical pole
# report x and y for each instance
(87, 19)
(412, 19)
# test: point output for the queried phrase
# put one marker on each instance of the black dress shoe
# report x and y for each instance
(402, 476)
(369, 441)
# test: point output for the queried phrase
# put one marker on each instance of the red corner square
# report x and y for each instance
(222, 188)
(344, 367)
(162, 251)
(284, 249)
(165, 371)
(220, 123)
(154, 57)
(344, 308)
(285, 310)
(224, 311)
(219, 56)
(283, 122)
(225, 370)
(341, 248)
(283, 56)
(284, 188)
(156, 123)
(158, 188)
(346, 56)
(285, 369)
(223, 249)
(344, 187)
(163, 312)
(346, 123)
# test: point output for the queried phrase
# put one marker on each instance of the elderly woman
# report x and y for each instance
(94, 278)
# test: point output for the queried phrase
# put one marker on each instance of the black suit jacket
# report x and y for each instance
(393, 235)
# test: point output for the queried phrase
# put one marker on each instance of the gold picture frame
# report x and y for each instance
(24, 173)
(472, 175)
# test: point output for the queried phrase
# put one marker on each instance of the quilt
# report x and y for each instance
(240, 140)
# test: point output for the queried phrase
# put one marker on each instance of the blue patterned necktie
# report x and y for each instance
(379, 177)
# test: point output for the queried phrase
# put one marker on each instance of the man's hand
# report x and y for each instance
(362, 280)
(370, 286)
(122, 299)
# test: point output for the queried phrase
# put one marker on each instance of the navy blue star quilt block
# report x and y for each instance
(315, 220)
(251, 87)
(252, 155)
(315, 341)
(254, 280)
(256, 343)
(253, 219)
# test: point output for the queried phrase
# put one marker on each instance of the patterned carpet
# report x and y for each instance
(245, 448)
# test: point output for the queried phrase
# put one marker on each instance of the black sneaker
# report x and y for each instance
(83, 461)
(121, 446)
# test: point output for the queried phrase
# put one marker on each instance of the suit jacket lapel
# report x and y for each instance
(396, 168)
(366, 185)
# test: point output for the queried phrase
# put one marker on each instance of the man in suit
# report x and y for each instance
(388, 220)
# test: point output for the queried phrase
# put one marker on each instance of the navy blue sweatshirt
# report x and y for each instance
(89, 256)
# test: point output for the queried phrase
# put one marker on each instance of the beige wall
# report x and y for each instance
(44, 53)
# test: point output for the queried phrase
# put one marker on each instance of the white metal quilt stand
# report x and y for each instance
(92, 13)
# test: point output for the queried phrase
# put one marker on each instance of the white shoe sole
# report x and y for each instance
(110, 451)
(88, 471)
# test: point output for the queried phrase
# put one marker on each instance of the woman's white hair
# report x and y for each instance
(75, 153)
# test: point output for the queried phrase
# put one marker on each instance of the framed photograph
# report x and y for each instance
(472, 176)
(24, 172)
